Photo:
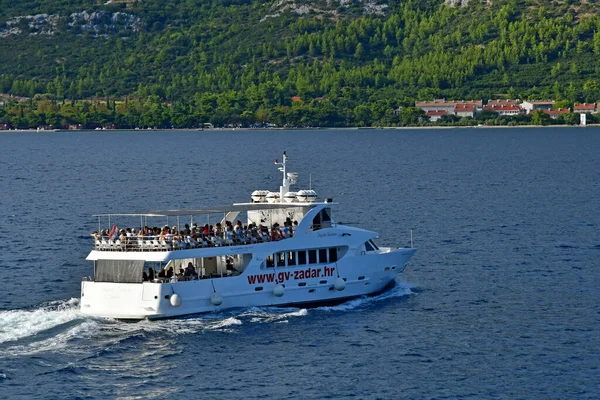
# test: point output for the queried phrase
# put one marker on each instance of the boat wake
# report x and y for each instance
(50, 327)
(18, 324)
(60, 327)
(400, 289)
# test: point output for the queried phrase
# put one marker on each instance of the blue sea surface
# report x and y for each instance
(501, 300)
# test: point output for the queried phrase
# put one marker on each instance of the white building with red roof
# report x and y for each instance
(532, 105)
(449, 106)
(436, 115)
(508, 102)
(464, 110)
(504, 109)
(585, 108)
(559, 111)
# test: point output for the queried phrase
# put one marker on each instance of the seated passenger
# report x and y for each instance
(190, 271)
(162, 273)
(150, 274)
(169, 272)
(123, 238)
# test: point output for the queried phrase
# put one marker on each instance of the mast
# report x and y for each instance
(285, 186)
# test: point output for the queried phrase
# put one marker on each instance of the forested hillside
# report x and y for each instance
(346, 62)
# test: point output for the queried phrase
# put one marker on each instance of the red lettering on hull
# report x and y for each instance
(284, 276)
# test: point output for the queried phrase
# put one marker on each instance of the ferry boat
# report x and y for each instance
(289, 252)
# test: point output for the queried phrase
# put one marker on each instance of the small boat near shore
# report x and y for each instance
(289, 251)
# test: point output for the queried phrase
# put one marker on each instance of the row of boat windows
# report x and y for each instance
(312, 256)
(303, 257)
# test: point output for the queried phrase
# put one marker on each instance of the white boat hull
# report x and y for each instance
(303, 285)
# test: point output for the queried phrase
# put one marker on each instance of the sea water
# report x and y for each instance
(501, 299)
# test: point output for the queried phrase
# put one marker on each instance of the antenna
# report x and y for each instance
(284, 188)
(310, 181)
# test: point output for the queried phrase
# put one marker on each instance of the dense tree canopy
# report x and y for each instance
(187, 62)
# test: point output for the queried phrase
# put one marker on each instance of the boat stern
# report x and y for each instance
(122, 300)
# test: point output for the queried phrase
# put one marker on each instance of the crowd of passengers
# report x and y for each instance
(184, 274)
(207, 235)
(187, 274)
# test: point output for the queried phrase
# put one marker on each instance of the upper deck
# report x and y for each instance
(266, 222)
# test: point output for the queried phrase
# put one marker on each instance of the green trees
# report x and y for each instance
(190, 62)
(538, 117)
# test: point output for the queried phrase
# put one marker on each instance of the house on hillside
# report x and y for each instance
(75, 127)
(436, 115)
(296, 99)
(464, 110)
(4, 127)
(449, 106)
(559, 111)
(498, 103)
(530, 106)
(585, 108)
(503, 109)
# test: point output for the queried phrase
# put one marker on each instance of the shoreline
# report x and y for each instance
(299, 129)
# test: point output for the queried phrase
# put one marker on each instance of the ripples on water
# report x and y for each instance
(106, 357)
(501, 300)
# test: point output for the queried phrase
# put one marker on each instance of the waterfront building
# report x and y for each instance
(531, 105)
(502, 108)
(436, 115)
(585, 108)
(556, 112)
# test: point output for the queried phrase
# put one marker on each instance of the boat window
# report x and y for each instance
(317, 222)
(270, 261)
(373, 244)
(312, 256)
(301, 257)
(119, 271)
(326, 215)
(368, 247)
(291, 258)
(322, 256)
(281, 259)
(333, 254)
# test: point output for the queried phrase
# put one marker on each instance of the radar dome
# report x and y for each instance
(259, 196)
(306, 196)
(289, 197)
(272, 197)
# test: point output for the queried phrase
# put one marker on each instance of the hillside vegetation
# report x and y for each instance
(184, 62)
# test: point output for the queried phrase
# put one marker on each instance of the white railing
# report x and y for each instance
(171, 243)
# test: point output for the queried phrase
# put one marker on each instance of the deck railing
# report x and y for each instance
(171, 243)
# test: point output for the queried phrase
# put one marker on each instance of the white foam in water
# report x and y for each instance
(401, 289)
(272, 314)
(59, 342)
(19, 324)
(231, 321)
